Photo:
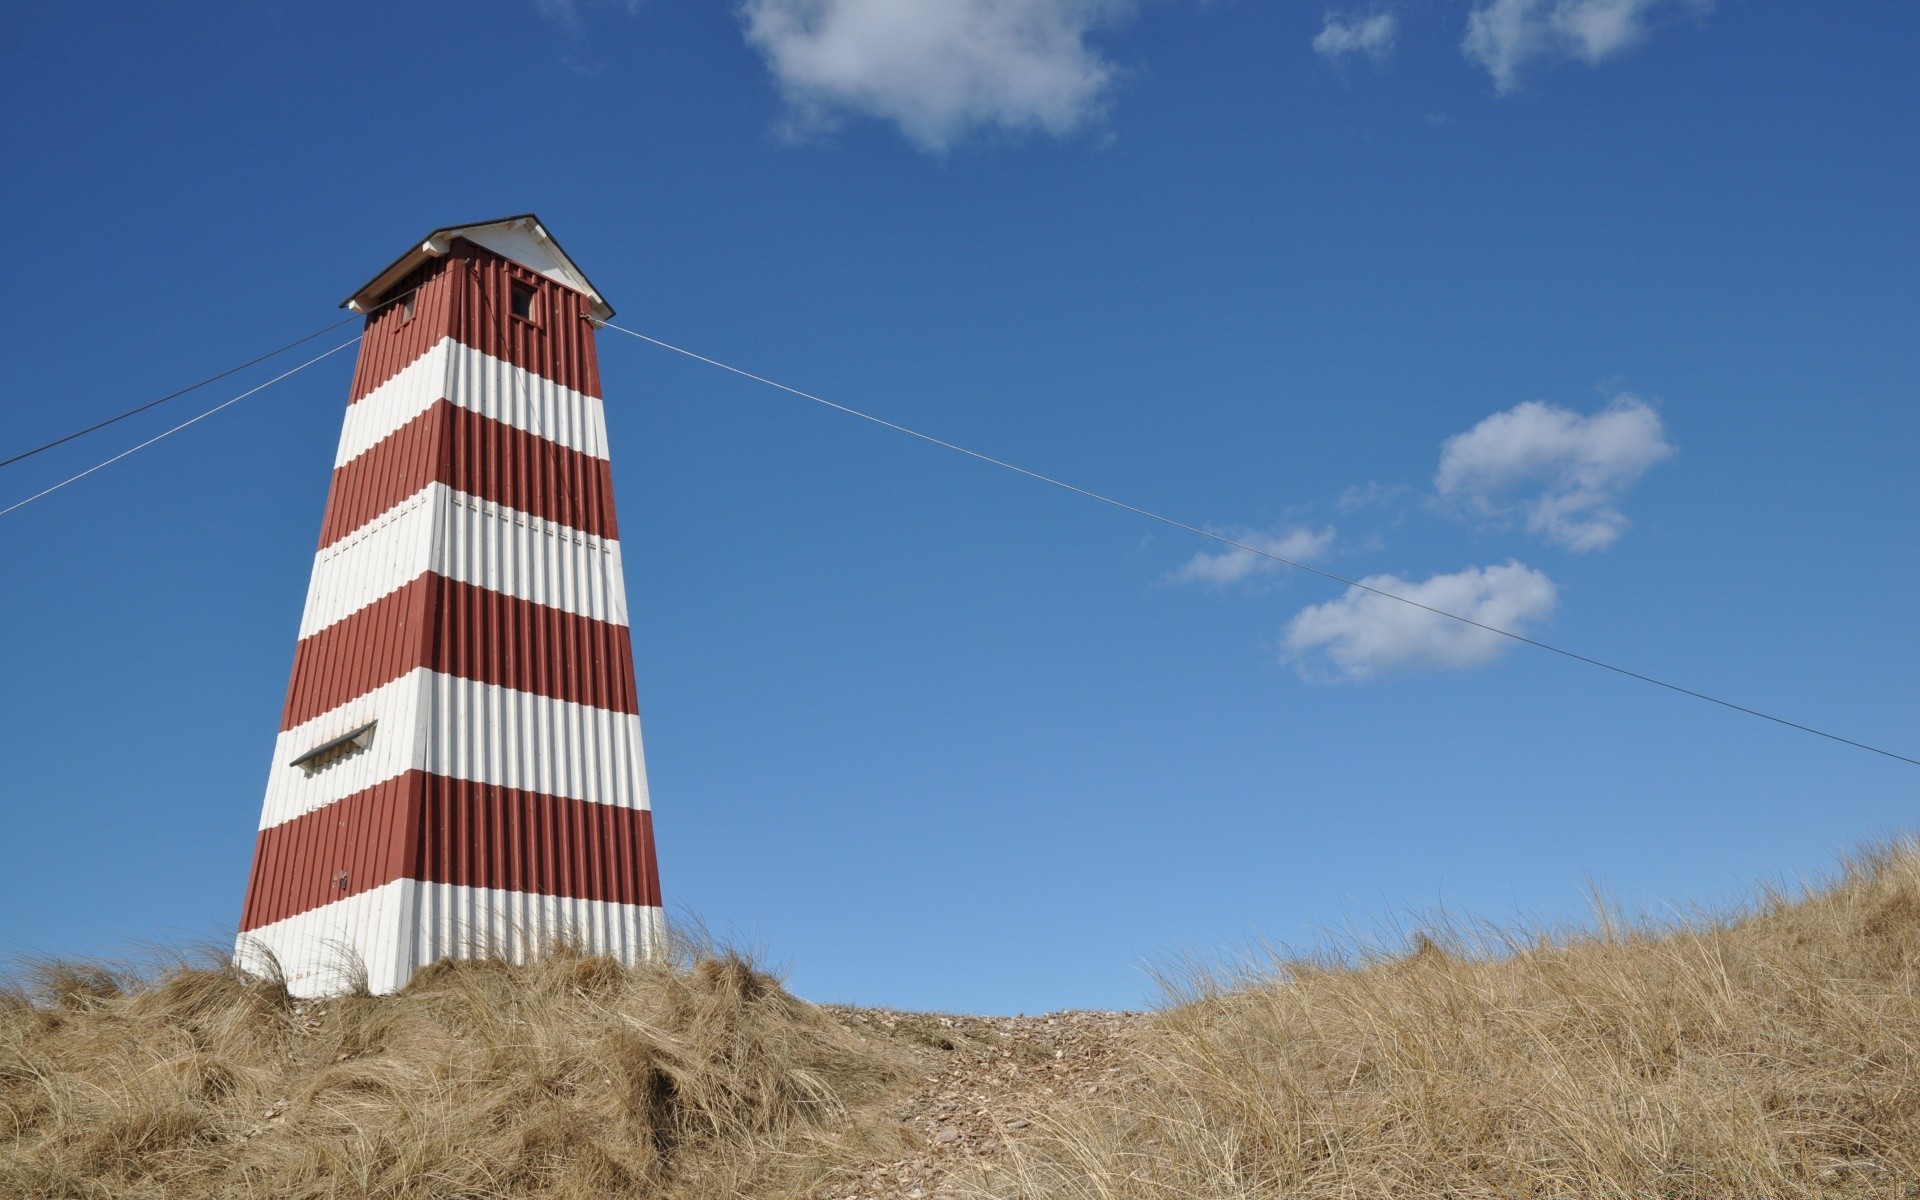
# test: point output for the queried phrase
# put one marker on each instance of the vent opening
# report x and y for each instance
(335, 749)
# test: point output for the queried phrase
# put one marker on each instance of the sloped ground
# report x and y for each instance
(981, 1084)
(1775, 1054)
(571, 1078)
(1772, 1055)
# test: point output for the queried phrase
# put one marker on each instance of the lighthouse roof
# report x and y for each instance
(521, 238)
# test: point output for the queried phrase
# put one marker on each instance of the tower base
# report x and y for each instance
(380, 937)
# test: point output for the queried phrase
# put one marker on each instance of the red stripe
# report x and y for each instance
(465, 296)
(469, 632)
(392, 339)
(440, 830)
(481, 457)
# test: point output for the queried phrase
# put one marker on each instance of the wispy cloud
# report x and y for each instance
(1562, 471)
(1504, 35)
(570, 16)
(1234, 564)
(1371, 34)
(1362, 634)
(566, 13)
(938, 69)
(1373, 494)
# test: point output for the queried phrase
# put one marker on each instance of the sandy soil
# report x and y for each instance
(987, 1081)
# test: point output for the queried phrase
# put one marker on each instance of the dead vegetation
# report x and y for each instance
(1771, 1054)
(574, 1077)
(1776, 1054)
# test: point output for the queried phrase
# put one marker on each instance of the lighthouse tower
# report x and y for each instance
(458, 771)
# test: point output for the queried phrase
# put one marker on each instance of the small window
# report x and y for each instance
(407, 306)
(520, 302)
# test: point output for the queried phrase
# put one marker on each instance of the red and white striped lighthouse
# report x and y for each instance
(458, 770)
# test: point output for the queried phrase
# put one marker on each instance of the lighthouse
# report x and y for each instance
(458, 771)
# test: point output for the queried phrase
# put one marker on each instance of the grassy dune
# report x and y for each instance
(1773, 1053)
(574, 1077)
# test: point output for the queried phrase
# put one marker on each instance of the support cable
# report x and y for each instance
(194, 387)
(1239, 545)
(182, 425)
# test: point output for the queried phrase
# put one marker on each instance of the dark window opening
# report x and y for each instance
(407, 306)
(520, 301)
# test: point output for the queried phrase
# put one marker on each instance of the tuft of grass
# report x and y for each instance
(1775, 1053)
(570, 1077)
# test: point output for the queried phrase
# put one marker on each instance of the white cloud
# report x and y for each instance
(1563, 471)
(1234, 564)
(1352, 33)
(1362, 634)
(1503, 35)
(938, 69)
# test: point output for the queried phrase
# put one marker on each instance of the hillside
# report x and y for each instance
(1771, 1053)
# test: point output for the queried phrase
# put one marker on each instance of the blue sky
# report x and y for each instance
(1597, 317)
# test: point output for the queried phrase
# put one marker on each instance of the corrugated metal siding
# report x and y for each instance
(474, 381)
(464, 730)
(460, 922)
(468, 601)
(397, 929)
(473, 541)
(464, 296)
(527, 472)
(481, 457)
(558, 345)
(425, 827)
(298, 864)
(391, 339)
(471, 632)
(403, 711)
(373, 483)
(533, 559)
(378, 559)
(494, 638)
(350, 658)
(497, 735)
(518, 397)
(319, 949)
(503, 838)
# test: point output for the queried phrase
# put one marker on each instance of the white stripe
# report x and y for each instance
(475, 541)
(395, 929)
(482, 383)
(319, 952)
(464, 922)
(463, 730)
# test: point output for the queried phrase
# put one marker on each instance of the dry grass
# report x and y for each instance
(1775, 1054)
(573, 1077)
